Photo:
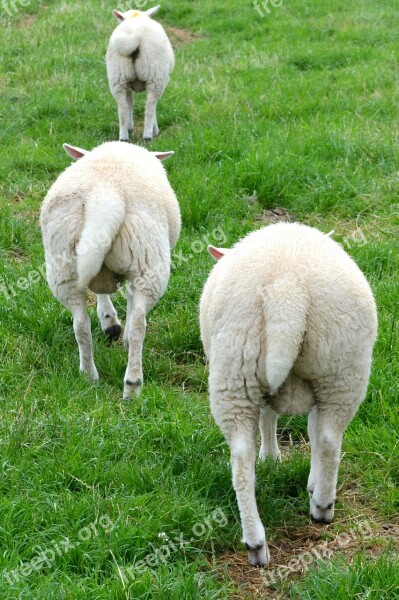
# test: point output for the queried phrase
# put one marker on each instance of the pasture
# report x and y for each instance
(286, 113)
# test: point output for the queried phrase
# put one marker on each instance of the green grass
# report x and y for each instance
(361, 579)
(300, 107)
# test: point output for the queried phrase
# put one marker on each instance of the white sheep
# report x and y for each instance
(139, 58)
(108, 218)
(288, 323)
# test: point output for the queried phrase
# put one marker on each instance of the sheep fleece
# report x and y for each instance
(285, 290)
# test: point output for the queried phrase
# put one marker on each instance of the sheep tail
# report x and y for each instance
(286, 308)
(104, 215)
(126, 45)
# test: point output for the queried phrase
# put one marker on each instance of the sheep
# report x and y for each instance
(108, 218)
(139, 57)
(288, 323)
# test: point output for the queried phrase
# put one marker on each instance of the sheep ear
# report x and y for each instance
(73, 151)
(118, 15)
(163, 155)
(217, 253)
(153, 10)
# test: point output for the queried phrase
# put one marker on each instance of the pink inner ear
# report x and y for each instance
(73, 151)
(118, 15)
(163, 155)
(217, 253)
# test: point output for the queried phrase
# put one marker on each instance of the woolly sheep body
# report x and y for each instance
(288, 323)
(139, 57)
(111, 216)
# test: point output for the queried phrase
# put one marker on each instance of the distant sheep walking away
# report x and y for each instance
(288, 323)
(111, 216)
(139, 58)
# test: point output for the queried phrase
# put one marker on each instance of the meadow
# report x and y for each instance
(288, 114)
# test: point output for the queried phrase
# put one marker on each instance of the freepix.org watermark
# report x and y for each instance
(321, 551)
(172, 545)
(265, 7)
(46, 557)
(12, 7)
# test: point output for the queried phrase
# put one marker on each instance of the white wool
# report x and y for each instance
(288, 322)
(103, 220)
(111, 217)
(139, 58)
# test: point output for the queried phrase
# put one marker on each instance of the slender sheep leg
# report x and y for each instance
(155, 127)
(106, 312)
(330, 417)
(129, 309)
(136, 327)
(327, 432)
(314, 462)
(243, 456)
(150, 119)
(268, 432)
(130, 107)
(122, 97)
(82, 329)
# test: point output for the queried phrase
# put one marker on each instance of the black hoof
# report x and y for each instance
(148, 139)
(321, 520)
(127, 141)
(257, 555)
(113, 332)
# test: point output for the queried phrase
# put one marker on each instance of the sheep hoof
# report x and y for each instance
(90, 373)
(323, 520)
(148, 139)
(127, 141)
(319, 514)
(274, 456)
(259, 555)
(113, 332)
(132, 388)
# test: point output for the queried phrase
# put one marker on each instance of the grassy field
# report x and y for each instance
(290, 114)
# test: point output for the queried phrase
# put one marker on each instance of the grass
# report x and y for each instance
(297, 110)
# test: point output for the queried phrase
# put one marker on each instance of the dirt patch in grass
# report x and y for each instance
(181, 37)
(294, 550)
(274, 215)
(26, 22)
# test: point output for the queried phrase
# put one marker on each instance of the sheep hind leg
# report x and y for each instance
(327, 435)
(108, 318)
(130, 109)
(314, 461)
(150, 115)
(328, 421)
(240, 430)
(243, 457)
(124, 102)
(82, 330)
(137, 309)
(268, 431)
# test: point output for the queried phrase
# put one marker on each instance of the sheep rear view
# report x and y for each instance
(288, 323)
(139, 58)
(108, 218)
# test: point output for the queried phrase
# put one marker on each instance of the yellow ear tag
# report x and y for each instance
(135, 13)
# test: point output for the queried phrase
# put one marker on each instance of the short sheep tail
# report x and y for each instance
(126, 45)
(104, 215)
(286, 308)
